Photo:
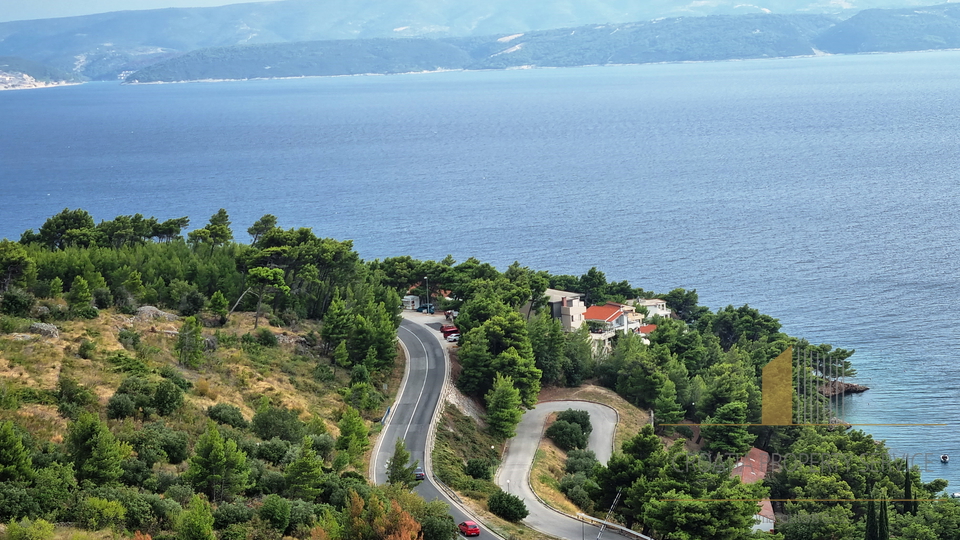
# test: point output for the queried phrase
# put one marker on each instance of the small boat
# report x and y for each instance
(944, 458)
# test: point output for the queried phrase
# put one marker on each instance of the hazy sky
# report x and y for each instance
(14, 10)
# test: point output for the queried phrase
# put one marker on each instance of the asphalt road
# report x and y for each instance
(514, 472)
(411, 416)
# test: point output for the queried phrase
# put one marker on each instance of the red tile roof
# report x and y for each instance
(648, 329)
(606, 313)
(752, 467)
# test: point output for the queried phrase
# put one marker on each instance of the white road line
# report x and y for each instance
(422, 387)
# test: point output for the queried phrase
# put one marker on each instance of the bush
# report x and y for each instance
(84, 312)
(30, 530)
(270, 422)
(86, 349)
(130, 339)
(167, 398)
(95, 513)
(276, 512)
(302, 517)
(567, 435)
(479, 469)
(581, 418)
(102, 298)
(17, 302)
(181, 493)
(16, 502)
(272, 482)
(581, 461)
(273, 450)
(323, 445)
(230, 415)
(72, 397)
(229, 514)
(577, 487)
(165, 510)
(121, 406)
(685, 432)
(507, 506)
(266, 338)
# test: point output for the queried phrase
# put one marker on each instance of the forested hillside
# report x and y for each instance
(192, 386)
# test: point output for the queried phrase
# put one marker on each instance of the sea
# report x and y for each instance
(822, 191)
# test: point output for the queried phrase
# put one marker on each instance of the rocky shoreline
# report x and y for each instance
(837, 388)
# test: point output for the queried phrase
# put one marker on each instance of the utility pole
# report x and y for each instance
(609, 513)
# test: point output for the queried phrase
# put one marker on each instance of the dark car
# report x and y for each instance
(419, 474)
(469, 528)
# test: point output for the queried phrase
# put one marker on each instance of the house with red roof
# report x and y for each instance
(608, 319)
(753, 468)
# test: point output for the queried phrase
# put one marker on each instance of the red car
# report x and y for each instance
(469, 528)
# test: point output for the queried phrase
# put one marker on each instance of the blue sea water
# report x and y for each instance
(821, 191)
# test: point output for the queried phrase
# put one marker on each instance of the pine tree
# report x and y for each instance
(399, 469)
(666, 409)
(196, 523)
(353, 433)
(79, 295)
(96, 453)
(218, 468)
(219, 306)
(189, 344)
(15, 461)
(503, 407)
(336, 323)
(305, 474)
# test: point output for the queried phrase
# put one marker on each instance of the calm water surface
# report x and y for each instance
(821, 191)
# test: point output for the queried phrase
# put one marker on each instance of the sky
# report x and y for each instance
(15, 10)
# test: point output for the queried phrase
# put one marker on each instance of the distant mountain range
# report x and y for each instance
(104, 45)
(716, 37)
(321, 37)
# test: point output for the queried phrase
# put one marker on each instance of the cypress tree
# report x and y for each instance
(871, 528)
(883, 521)
(909, 505)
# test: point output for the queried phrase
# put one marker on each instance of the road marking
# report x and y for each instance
(422, 387)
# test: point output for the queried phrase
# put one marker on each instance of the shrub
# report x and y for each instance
(121, 406)
(102, 298)
(30, 530)
(323, 445)
(181, 493)
(270, 422)
(174, 375)
(130, 339)
(237, 531)
(84, 312)
(95, 513)
(230, 514)
(581, 418)
(166, 510)
(479, 469)
(507, 506)
(567, 435)
(581, 461)
(86, 349)
(167, 398)
(16, 502)
(230, 415)
(685, 432)
(577, 487)
(273, 450)
(276, 512)
(266, 338)
(72, 397)
(17, 302)
(272, 482)
(302, 517)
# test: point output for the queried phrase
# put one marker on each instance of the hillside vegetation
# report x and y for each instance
(189, 386)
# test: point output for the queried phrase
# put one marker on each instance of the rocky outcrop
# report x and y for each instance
(45, 330)
(837, 388)
(150, 313)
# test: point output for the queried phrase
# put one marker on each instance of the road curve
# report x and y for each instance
(514, 472)
(412, 415)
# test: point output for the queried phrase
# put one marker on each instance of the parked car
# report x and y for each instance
(469, 528)
(426, 308)
(419, 473)
(453, 338)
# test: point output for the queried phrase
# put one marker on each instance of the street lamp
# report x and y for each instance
(428, 292)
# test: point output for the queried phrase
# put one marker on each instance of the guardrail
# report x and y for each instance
(622, 531)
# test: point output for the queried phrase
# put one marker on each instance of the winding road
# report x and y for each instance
(413, 414)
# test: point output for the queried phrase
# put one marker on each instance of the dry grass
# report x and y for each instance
(548, 469)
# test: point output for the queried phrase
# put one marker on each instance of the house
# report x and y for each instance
(753, 468)
(564, 305)
(611, 318)
(655, 306)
